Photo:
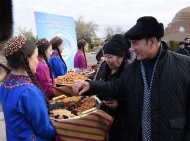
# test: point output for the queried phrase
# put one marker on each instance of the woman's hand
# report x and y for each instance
(112, 104)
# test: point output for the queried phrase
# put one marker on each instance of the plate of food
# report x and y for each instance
(69, 78)
(88, 72)
(73, 107)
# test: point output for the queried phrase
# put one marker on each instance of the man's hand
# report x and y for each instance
(80, 87)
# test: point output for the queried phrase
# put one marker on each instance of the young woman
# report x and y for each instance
(43, 72)
(57, 63)
(80, 58)
(23, 102)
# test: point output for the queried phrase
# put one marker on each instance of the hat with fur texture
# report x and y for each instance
(145, 27)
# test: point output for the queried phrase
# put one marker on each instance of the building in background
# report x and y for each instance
(179, 28)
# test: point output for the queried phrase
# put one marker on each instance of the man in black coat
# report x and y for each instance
(187, 44)
(156, 87)
(182, 49)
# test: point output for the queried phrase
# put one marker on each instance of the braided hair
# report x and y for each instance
(43, 45)
(31, 75)
(81, 44)
(19, 58)
(56, 42)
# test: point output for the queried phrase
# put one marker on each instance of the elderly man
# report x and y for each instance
(156, 87)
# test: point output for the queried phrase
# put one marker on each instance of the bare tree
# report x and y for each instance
(27, 34)
(85, 30)
(23, 32)
(110, 31)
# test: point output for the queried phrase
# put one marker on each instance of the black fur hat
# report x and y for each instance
(6, 20)
(145, 27)
(182, 43)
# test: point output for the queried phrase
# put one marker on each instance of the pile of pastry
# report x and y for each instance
(70, 78)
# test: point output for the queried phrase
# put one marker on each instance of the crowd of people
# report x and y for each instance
(148, 95)
(154, 89)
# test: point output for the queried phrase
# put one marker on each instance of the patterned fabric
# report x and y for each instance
(146, 113)
(42, 42)
(93, 127)
(14, 81)
(14, 45)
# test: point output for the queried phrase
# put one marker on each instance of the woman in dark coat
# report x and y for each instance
(116, 53)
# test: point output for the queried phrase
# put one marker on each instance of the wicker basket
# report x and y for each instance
(92, 127)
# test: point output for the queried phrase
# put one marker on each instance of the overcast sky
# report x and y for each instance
(105, 13)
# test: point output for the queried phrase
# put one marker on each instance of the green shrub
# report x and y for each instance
(173, 45)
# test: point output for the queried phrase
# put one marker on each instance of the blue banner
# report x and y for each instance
(50, 25)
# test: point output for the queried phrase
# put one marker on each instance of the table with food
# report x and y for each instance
(77, 117)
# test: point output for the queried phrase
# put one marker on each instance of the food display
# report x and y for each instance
(73, 107)
(88, 71)
(75, 116)
(70, 78)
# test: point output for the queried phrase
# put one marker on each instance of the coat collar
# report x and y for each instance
(13, 81)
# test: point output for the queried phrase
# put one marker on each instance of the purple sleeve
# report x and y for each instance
(46, 83)
(81, 62)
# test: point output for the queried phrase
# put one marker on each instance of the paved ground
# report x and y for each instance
(91, 61)
(2, 127)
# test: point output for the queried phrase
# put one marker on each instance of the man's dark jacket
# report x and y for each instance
(170, 98)
(183, 51)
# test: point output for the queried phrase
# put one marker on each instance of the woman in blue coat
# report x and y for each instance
(24, 103)
(56, 61)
